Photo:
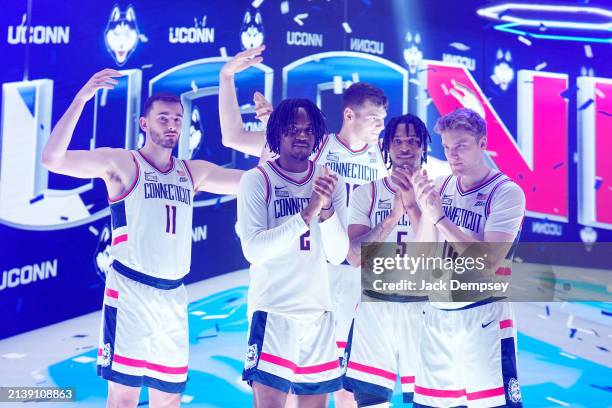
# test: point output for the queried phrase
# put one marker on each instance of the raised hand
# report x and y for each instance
(104, 79)
(401, 178)
(243, 60)
(263, 108)
(466, 97)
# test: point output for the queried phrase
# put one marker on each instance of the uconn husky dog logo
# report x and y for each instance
(252, 31)
(121, 35)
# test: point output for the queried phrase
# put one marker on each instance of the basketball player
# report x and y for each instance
(468, 349)
(384, 339)
(144, 338)
(353, 153)
(291, 223)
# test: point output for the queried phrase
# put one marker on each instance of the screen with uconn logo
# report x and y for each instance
(546, 99)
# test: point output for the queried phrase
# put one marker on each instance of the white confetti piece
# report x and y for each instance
(223, 51)
(600, 93)
(93, 230)
(146, 66)
(556, 401)
(186, 399)
(338, 85)
(198, 313)
(524, 40)
(347, 28)
(14, 356)
(567, 355)
(211, 317)
(445, 89)
(256, 3)
(415, 81)
(459, 46)
(428, 101)
(194, 87)
(588, 51)
(541, 66)
(355, 77)
(284, 7)
(143, 38)
(83, 359)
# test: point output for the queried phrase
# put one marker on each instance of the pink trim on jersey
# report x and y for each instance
(373, 199)
(494, 392)
(479, 186)
(305, 180)
(360, 150)
(504, 324)
(444, 184)
(268, 184)
(172, 163)
(111, 293)
(408, 380)
(372, 370)
(132, 362)
(190, 175)
(490, 198)
(321, 147)
(129, 190)
(388, 185)
(341, 344)
(432, 392)
(119, 239)
(319, 368)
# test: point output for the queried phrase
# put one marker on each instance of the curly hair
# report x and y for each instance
(285, 115)
(419, 128)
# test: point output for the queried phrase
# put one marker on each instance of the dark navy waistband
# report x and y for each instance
(388, 297)
(476, 304)
(164, 284)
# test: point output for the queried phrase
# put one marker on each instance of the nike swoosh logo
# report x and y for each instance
(487, 324)
(383, 201)
(279, 188)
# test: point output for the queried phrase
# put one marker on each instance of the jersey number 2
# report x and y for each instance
(171, 219)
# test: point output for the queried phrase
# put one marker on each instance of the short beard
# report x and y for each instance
(160, 141)
(299, 156)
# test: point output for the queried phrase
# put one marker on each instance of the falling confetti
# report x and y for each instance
(194, 87)
(93, 230)
(284, 7)
(146, 66)
(588, 51)
(524, 40)
(541, 66)
(256, 3)
(223, 51)
(459, 46)
(445, 89)
(298, 19)
(355, 77)
(415, 81)
(558, 165)
(347, 28)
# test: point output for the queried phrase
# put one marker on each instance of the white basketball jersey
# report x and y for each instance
(496, 204)
(356, 167)
(372, 203)
(151, 223)
(295, 280)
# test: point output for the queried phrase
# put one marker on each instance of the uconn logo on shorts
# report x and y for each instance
(251, 357)
(514, 390)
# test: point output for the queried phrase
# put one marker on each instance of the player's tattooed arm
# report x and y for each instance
(113, 165)
(212, 178)
(233, 134)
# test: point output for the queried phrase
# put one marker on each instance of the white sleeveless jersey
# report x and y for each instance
(372, 203)
(496, 204)
(152, 224)
(356, 167)
(295, 280)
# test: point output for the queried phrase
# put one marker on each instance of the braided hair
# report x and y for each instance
(419, 128)
(285, 115)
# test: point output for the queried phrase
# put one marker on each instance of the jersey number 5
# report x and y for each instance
(171, 219)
